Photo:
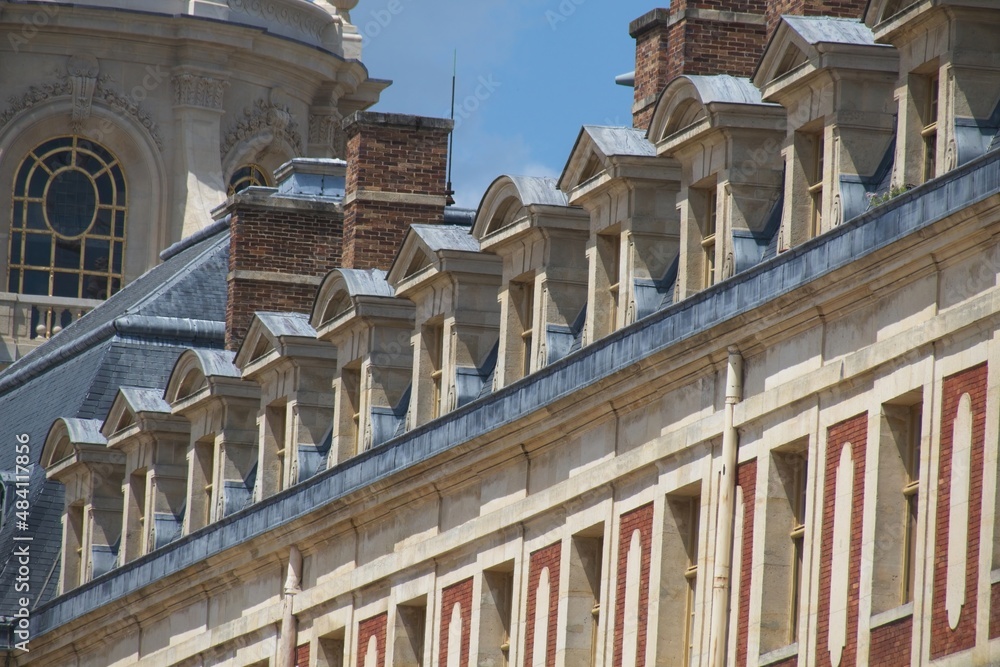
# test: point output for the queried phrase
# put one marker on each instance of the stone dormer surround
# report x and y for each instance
(543, 294)
(728, 143)
(836, 85)
(154, 443)
(295, 372)
(206, 389)
(357, 313)
(453, 287)
(948, 89)
(632, 249)
(76, 454)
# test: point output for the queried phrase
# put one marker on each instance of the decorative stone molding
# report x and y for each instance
(103, 92)
(325, 131)
(264, 118)
(280, 12)
(198, 90)
(82, 71)
(836, 211)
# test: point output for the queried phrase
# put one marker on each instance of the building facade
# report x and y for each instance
(124, 124)
(727, 392)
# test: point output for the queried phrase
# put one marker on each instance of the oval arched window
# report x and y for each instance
(68, 221)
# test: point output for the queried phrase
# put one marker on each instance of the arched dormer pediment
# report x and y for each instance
(688, 100)
(70, 440)
(266, 333)
(508, 198)
(129, 403)
(595, 146)
(193, 369)
(340, 289)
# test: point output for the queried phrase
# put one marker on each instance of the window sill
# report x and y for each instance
(892, 615)
(779, 655)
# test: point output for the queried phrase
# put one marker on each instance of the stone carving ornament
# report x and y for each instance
(83, 84)
(199, 90)
(271, 119)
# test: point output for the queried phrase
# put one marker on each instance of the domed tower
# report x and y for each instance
(124, 122)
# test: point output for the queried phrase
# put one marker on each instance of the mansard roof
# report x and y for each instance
(508, 197)
(595, 146)
(131, 339)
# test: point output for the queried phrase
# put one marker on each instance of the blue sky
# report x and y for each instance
(530, 73)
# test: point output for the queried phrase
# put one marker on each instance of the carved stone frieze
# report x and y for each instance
(104, 91)
(324, 130)
(199, 90)
(280, 12)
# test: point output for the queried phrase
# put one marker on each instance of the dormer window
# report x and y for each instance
(523, 294)
(609, 264)
(930, 123)
(433, 336)
(710, 217)
(816, 183)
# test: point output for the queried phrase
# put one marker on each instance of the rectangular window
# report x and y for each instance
(609, 256)
(203, 483)
(912, 484)
(895, 559)
(586, 558)
(784, 545)
(331, 650)
(710, 226)
(798, 469)
(350, 378)
(411, 622)
(676, 639)
(433, 335)
(816, 184)
(136, 516)
(929, 132)
(496, 615)
(691, 575)
(275, 447)
(523, 294)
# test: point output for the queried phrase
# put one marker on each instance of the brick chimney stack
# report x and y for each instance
(396, 176)
(282, 242)
(851, 9)
(694, 37)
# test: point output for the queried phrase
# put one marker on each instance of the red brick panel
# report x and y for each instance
(995, 611)
(460, 594)
(746, 479)
(641, 520)
(292, 243)
(539, 560)
(851, 9)
(302, 656)
(853, 431)
(374, 626)
(890, 646)
(944, 641)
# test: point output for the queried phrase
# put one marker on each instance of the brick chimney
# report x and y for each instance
(282, 241)
(851, 9)
(694, 37)
(396, 176)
